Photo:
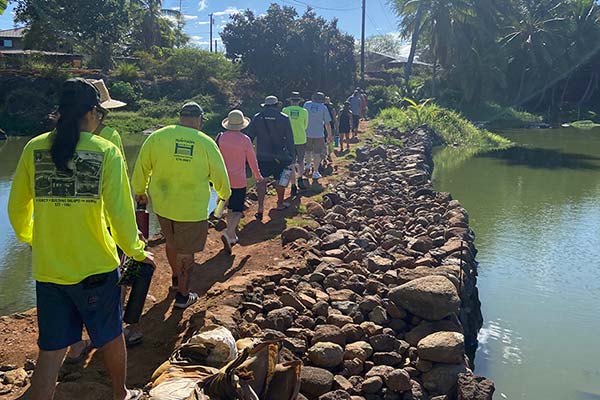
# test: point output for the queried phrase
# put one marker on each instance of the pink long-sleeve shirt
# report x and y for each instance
(236, 149)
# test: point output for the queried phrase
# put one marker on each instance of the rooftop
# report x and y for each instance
(12, 33)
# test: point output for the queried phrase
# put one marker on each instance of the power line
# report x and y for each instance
(324, 8)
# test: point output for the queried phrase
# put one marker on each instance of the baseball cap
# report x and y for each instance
(79, 92)
(191, 109)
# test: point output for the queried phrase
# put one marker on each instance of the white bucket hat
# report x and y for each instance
(105, 100)
(270, 101)
(236, 121)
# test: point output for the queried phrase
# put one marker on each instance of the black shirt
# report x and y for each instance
(274, 137)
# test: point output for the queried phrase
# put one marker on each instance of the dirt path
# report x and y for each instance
(216, 273)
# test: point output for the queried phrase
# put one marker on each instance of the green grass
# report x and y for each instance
(501, 117)
(301, 222)
(452, 128)
(129, 122)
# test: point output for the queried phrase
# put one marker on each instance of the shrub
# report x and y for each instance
(449, 125)
(127, 72)
(125, 91)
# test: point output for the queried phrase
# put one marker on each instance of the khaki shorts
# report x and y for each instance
(185, 237)
(316, 146)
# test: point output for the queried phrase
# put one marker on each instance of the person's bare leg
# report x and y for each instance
(43, 381)
(233, 220)
(280, 195)
(261, 192)
(115, 360)
(186, 261)
(76, 349)
(173, 262)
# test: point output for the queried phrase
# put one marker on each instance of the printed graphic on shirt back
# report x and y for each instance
(294, 114)
(184, 150)
(82, 182)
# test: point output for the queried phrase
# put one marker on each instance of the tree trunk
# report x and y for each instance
(414, 42)
(434, 79)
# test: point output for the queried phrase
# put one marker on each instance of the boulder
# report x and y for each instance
(326, 354)
(442, 378)
(336, 395)
(360, 350)
(443, 347)
(414, 336)
(291, 300)
(329, 333)
(294, 233)
(280, 319)
(315, 381)
(431, 298)
(398, 381)
(471, 387)
(315, 210)
(372, 384)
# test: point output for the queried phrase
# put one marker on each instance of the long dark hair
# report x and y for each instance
(78, 97)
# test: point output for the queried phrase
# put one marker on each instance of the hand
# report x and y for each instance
(149, 259)
(141, 199)
(260, 179)
(329, 139)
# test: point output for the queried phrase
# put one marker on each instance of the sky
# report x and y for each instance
(379, 16)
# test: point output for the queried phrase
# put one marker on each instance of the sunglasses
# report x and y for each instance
(101, 113)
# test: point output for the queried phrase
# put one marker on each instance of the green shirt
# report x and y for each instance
(64, 216)
(112, 135)
(175, 166)
(299, 120)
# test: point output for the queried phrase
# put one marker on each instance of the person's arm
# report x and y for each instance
(20, 201)
(119, 143)
(289, 139)
(142, 172)
(217, 172)
(118, 204)
(327, 120)
(250, 130)
(252, 161)
(305, 118)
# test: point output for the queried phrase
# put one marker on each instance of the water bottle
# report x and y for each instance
(220, 209)
(142, 217)
(286, 175)
(139, 291)
(336, 140)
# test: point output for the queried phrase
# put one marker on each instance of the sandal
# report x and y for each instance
(134, 394)
(227, 243)
(82, 356)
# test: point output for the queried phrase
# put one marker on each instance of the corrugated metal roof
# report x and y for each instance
(44, 53)
(12, 33)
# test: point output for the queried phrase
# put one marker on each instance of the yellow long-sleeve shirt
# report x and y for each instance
(175, 166)
(113, 136)
(61, 214)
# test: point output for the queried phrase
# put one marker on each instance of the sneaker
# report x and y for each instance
(182, 302)
(317, 175)
(301, 184)
(294, 190)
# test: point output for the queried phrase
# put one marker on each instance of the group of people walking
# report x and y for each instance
(71, 200)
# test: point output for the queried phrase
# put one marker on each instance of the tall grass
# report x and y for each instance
(452, 128)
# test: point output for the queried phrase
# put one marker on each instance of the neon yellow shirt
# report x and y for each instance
(299, 120)
(175, 166)
(112, 135)
(61, 214)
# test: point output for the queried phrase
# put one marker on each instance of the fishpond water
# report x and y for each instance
(536, 212)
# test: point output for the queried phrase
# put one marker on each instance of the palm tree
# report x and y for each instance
(3, 4)
(153, 24)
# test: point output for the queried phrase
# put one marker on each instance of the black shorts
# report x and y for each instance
(237, 200)
(271, 168)
(355, 121)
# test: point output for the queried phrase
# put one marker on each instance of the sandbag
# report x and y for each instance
(214, 343)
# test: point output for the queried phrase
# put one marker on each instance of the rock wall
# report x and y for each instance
(383, 303)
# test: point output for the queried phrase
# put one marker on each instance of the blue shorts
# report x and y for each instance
(63, 310)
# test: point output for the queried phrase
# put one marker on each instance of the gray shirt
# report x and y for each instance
(318, 116)
(355, 103)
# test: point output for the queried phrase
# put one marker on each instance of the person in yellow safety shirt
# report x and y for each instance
(299, 120)
(108, 103)
(175, 166)
(65, 182)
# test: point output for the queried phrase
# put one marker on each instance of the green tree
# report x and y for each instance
(95, 27)
(154, 27)
(3, 4)
(285, 51)
(388, 43)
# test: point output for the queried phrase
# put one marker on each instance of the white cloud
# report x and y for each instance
(228, 11)
(204, 23)
(202, 5)
(190, 17)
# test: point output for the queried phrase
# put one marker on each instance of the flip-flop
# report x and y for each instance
(82, 356)
(134, 394)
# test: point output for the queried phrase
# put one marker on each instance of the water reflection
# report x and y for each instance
(535, 157)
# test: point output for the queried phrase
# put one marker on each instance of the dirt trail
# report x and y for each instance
(216, 273)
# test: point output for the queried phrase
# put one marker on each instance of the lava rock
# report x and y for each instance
(326, 354)
(432, 297)
(315, 381)
(442, 347)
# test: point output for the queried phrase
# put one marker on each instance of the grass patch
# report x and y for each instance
(129, 122)
(449, 125)
(501, 117)
(301, 222)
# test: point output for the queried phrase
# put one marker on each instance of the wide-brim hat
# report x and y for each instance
(235, 121)
(105, 100)
(270, 101)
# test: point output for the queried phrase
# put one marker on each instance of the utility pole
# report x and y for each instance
(216, 49)
(211, 32)
(362, 43)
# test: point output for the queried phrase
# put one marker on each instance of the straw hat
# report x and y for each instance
(105, 99)
(236, 121)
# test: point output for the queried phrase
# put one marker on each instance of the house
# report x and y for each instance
(12, 48)
(376, 61)
(12, 39)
